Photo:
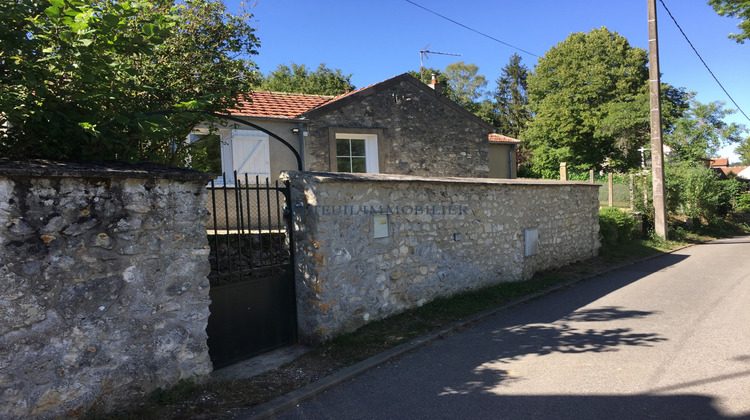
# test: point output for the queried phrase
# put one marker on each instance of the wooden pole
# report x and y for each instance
(657, 150)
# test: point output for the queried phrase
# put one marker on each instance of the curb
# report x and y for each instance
(320, 386)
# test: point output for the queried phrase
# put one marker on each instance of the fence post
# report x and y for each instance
(591, 176)
(611, 185)
(563, 171)
(632, 191)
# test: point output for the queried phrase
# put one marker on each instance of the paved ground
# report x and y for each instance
(667, 338)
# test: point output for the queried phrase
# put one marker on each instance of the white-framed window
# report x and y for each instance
(357, 153)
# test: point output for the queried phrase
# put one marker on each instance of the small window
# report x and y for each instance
(357, 153)
(351, 155)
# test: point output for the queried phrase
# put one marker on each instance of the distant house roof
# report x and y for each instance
(724, 171)
(278, 104)
(499, 138)
(717, 162)
(744, 174)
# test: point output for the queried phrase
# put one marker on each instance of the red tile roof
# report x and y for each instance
(499, 138)
(717, 162)
(285, 105)
(728, 169)
(278, 104)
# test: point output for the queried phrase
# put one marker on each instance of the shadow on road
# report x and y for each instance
(557, 324)
(563, 407)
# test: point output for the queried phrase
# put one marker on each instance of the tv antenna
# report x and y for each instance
(423, 56)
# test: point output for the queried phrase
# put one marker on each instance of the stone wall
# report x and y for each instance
(103, 287)
(444, 235)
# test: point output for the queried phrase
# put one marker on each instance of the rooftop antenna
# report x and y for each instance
(423, 55)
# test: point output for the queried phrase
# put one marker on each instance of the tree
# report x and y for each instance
(701, 132)
(298, 79)
(735, 8)
(117, 79)
(511, 98)
(589, 99)
(743, 149)
(465, 83)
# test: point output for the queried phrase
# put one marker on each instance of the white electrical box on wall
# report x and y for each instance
(380, 225)
(530, 242)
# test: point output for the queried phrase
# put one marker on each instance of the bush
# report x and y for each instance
(615, 225)
(743, 203)
(692, 190)
(730, 191)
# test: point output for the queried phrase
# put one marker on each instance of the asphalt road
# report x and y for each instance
(665, 339)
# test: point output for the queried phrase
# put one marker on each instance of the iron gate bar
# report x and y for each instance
(260, 219)
(249, 220)
(268, 214)
(226, 218)
(216, 223)
(264, 244)
(240, 217)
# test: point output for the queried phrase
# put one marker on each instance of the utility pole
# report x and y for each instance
(657, 149)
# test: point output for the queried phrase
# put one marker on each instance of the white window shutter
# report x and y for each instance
(250, 154)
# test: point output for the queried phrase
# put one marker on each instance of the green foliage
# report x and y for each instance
(743, 150)
(735, 8)
(466, 84)
(692, 190)
(117, 79)
(299, 79)
(729, 192)
(615, 225)
(702, 131)
(205, 154)
(743, 203)
(426, 76)
(589, 100)
(511, 98)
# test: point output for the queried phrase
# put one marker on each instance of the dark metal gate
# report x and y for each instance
(253, 307)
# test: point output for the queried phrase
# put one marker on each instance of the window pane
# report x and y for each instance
(358, 147)
(343, 164)
(359, 165)
(342, 147)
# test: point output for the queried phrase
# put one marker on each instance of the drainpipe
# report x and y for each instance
(301, 135)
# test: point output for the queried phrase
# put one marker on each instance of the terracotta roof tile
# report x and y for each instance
(735, 169)
(499, 138)
(278, 104)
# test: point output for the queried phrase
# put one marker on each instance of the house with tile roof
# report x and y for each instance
(503, 157)
(398, 126)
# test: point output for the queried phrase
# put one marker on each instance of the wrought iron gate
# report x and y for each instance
(253, 307)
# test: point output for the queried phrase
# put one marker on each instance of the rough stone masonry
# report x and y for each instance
(368, 246)
(103, 288)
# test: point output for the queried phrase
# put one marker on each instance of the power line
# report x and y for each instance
(702, 60)
(472, 29)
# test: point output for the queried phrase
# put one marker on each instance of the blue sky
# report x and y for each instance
(376, 40)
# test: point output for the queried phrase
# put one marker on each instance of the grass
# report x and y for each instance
(222, 399)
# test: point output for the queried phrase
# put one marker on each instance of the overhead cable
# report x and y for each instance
(472, 29)
(702, 60)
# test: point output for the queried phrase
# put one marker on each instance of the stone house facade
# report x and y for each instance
(398, 126)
